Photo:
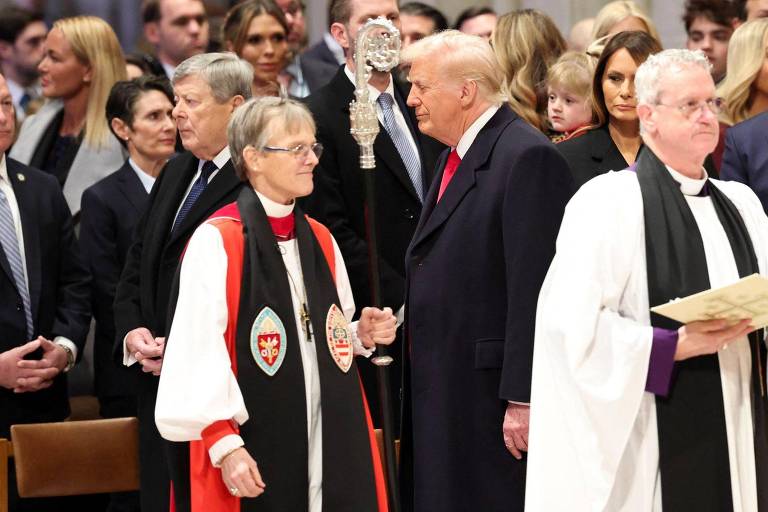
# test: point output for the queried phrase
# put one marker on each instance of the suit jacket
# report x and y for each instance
(595, 153)
(592, 154)
(111, 209)
(338, 202)
(474, 270)
(142, 297)
(58, 289)
(90, 164)
(745, 158)
(318, 65)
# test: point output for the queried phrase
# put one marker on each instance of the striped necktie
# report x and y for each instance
(197, 188)
(10, 245)
(402, 144)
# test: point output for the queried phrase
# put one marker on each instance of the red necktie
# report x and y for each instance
(450, 169)
(284, 228)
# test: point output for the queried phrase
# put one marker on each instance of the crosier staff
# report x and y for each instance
(377, 45)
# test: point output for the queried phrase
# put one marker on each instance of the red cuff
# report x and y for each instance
(216, 430)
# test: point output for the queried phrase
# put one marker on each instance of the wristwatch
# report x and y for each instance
(70, 358)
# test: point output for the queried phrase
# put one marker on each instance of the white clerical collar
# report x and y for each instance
(273, 208)
(373, 92)
(689, 186)
(469, 136)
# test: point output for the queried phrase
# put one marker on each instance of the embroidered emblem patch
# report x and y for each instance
(339, 338)
(268, 341)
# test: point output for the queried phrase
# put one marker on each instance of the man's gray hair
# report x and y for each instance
(461, 57)
(225, 73)
(257, 120)
(651, 73)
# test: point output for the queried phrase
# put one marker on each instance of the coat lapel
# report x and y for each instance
(29, 226)
(221, 184)
(132, 188)
(171, 186)
(464, 180)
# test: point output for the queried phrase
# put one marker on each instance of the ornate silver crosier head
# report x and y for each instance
(377, 45)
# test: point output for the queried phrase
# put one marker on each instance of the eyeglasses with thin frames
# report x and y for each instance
(300, 152)
(692, 107)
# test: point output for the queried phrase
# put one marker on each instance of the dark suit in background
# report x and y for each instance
(318, 65)
(338, 202)
(110, 211)
(142, 298)
(592, 154)
(58, 289)
(745, 158)
(474, 270)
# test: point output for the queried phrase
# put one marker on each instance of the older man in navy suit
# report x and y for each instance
(43, 296)
(746, 155)
(474, 268)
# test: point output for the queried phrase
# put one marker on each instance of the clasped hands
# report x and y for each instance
(147, 349)
(27, 375)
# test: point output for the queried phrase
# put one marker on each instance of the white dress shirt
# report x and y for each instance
(470, 135)
(146, 180)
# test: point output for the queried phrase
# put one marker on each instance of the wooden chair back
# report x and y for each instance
(76, 457)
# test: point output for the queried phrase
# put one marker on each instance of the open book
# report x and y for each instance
(746, 298)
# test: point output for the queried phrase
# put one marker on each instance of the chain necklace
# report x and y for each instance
(306, 323)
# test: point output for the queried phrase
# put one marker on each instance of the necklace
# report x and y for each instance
(306, 323)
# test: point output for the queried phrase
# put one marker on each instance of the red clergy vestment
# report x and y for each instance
(207, 489)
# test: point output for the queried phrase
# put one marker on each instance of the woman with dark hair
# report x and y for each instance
(139, 115)
(257, 31)
(615, 142)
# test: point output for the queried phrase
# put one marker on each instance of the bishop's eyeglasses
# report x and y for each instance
(299, 152)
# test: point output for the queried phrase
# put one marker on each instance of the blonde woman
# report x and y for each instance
(745, 87)
(622, 16)
(69, 136)
(526, 43)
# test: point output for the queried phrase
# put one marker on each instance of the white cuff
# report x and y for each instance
(66, 342)
(526, 404)
(400, 315)
(128, 358)
(357, 345)
(224, 446)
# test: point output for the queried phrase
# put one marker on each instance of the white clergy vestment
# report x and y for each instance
(593, 442)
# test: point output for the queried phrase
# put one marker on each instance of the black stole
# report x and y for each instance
(276, 433)
(691, 420)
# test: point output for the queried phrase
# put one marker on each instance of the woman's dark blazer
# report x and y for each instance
(595, 153)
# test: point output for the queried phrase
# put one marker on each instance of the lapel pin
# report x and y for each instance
(21, 177)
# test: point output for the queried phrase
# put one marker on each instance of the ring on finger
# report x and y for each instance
(234, 491)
